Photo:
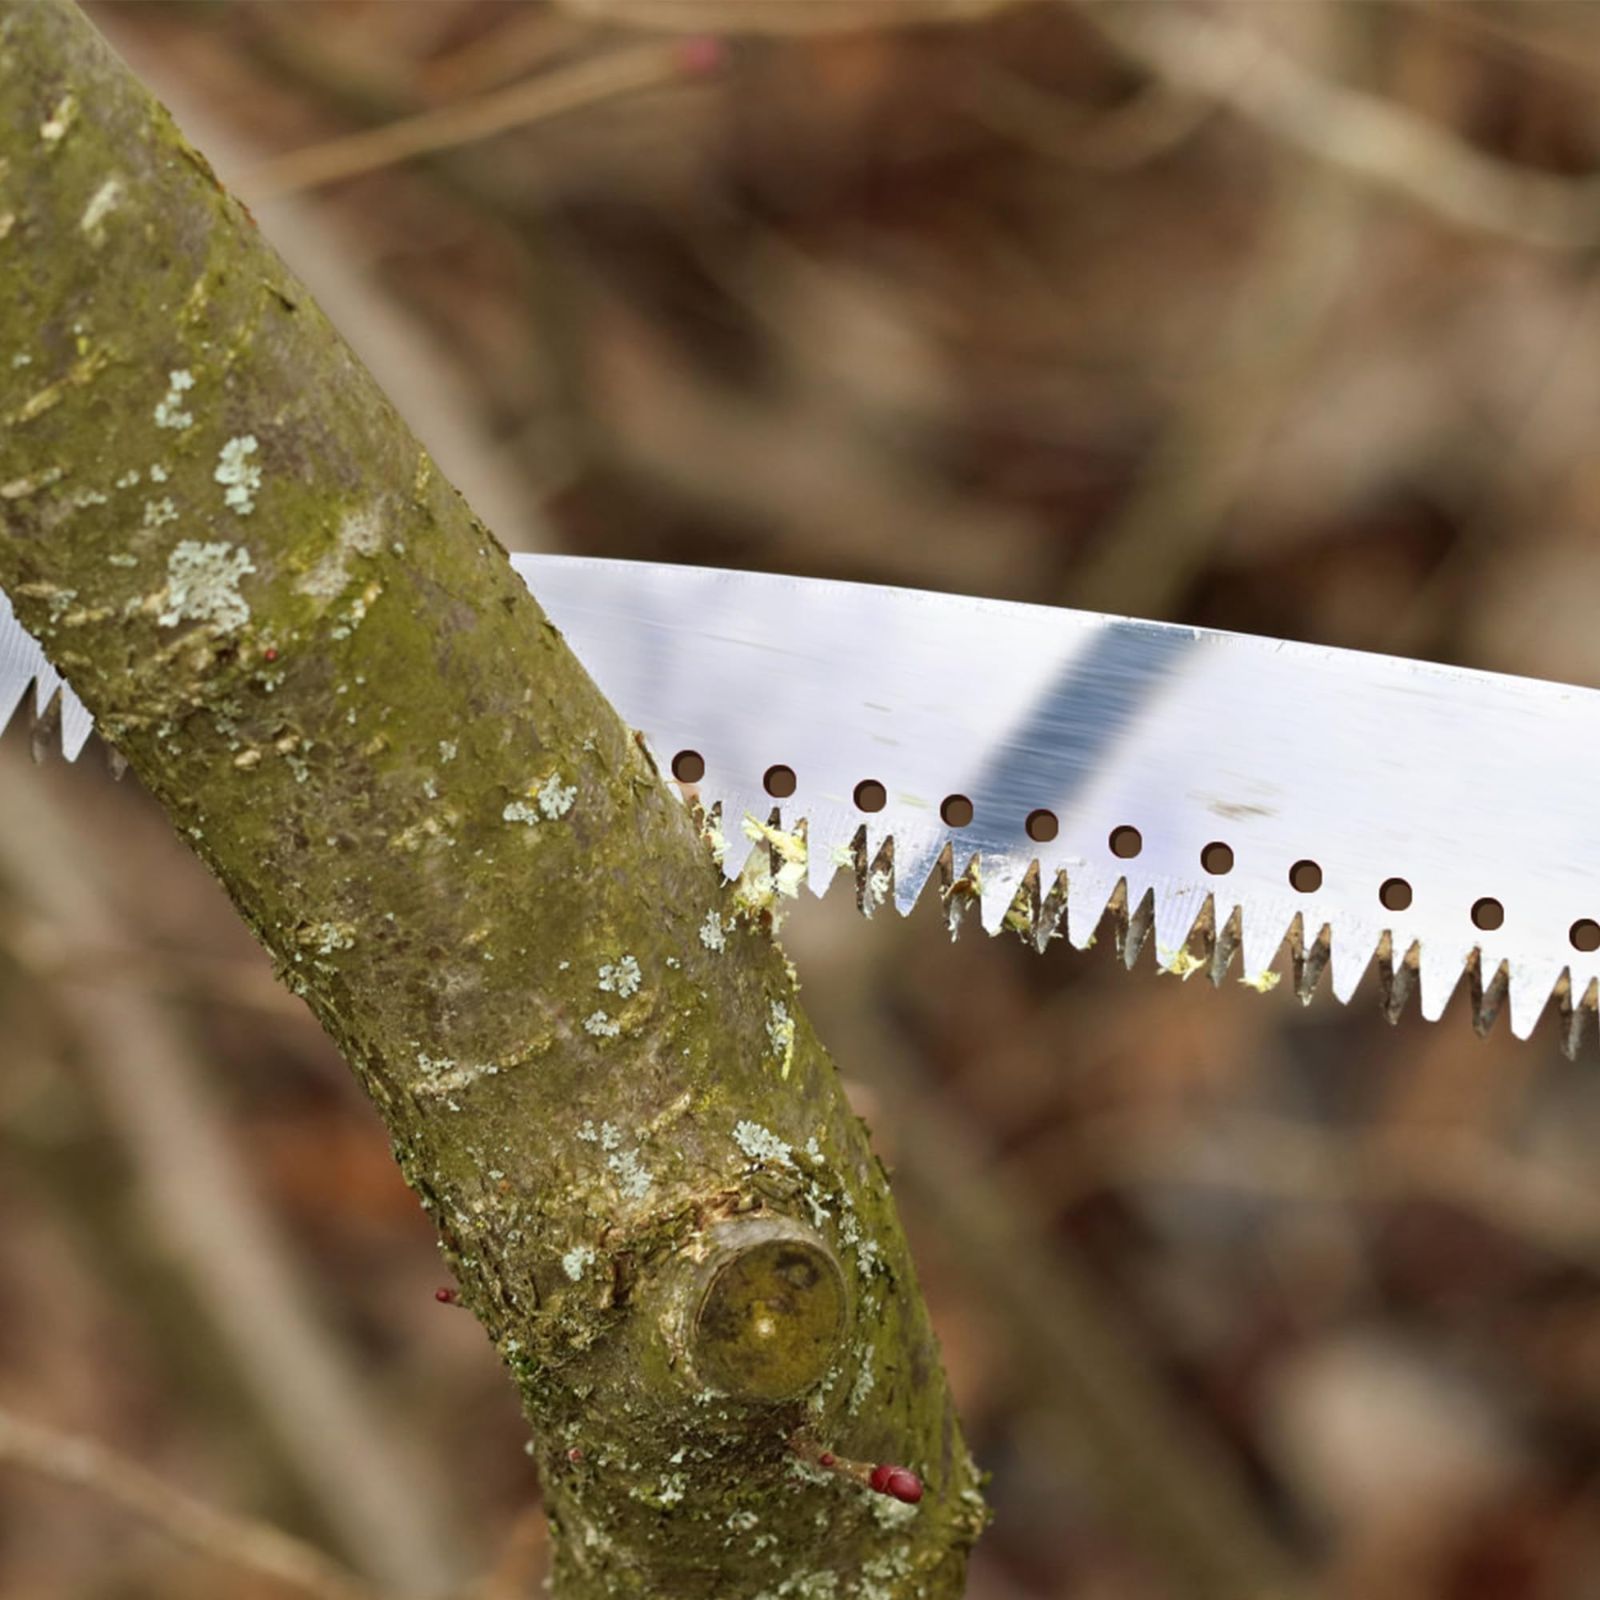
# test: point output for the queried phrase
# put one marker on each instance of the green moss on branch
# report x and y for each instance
(325, 670)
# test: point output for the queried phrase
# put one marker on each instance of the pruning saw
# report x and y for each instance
(1228, 797)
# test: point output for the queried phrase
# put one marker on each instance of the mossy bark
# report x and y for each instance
(325, 670)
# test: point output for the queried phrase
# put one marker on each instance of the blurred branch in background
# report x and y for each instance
(1362, 135)
(1149, 124)
(782, 17)
(586, 82)
(1366, 137)
(978, 297)
(371, 1488)
(248, 1548)
(1159, 542)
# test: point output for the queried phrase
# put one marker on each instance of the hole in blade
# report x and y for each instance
(1042, 826)
(779, 782)
(871, 795)
(1585, 935)
(1126, 842)
(1395, 895)
(1488, 914)
(1217, 859)
(688, 766)
(1305, 877)
(956, 810)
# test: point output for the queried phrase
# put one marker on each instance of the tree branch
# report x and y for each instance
(646, 1176)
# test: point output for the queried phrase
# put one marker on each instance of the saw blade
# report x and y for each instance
(1219, 795)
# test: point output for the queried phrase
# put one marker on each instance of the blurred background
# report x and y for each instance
(1265, 316)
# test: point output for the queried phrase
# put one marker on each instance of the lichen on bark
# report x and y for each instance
(324, 669)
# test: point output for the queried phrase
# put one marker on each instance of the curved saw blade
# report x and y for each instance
(1219, 792)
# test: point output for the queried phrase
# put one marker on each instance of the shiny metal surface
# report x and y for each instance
(1466, 785)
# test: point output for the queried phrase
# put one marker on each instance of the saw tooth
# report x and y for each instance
(46, 683)
(1090, 890)
(956, 891)
(1022, 915)
(1439, 970)
(787, 850)
(728, 814)
(917, 854)
(13, 686)
(1576, 1016)
(76, 724)
(1050, 922)
(1396, 978)
(1531, 986)
(1177, 914)
(1136, 928)
(1265, 928)
(874, 873)
(908, 887)
(45, 726)
(708, 819)
(57, 711)
(1199, 950)
(1002, 876)
(1488, 998)
(1310, 960)
(1225, 944)
(828, 854)
(1351, 959)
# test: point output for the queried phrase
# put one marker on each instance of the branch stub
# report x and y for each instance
(770, 1311)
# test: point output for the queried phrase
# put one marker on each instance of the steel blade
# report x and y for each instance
(1203, 781)
(1305, 762)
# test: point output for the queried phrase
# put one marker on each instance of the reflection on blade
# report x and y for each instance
(1467, 786)
(1065, 729)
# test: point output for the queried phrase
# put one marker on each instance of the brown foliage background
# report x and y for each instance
(962, 296)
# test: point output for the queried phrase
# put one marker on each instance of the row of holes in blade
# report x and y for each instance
(1216, 859)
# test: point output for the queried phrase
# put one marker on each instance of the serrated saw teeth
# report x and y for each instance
(1487, 996)
(1397, 977)
(1178, 910)
(1440, 969)
(916, 865)
(1266, 928)
(1530, 989)
(874, 857)
(1051, 921)
(1136, 924)
(1311, 957)
(1089, 891)
(1002, 877)
(11, 692)
(1350, 959)
(1344, 810)
(1226, 945)
(1577, 1016)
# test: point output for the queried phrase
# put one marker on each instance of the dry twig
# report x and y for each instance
(234, 1541)
(1363, 136)
(1192, 51)
(781, 17)
(1150, 123)
(551, 94)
